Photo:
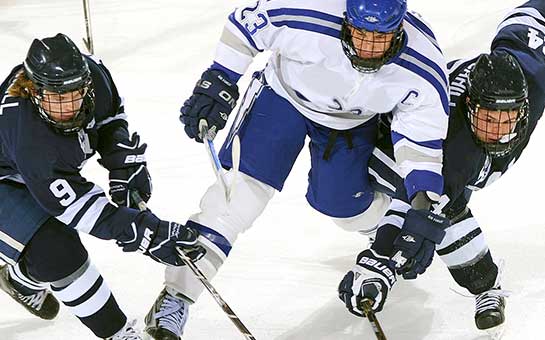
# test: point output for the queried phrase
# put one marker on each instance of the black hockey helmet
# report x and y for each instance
(56, 67)
(497, 83)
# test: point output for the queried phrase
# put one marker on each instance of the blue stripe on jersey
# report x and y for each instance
(213, 236)
(429, 77)
(330, 24)
(430, 144)
(310, 27)
(428, 62)
(423, 180)
(413, 19)
(232, 75)
(306, 13)
(429, 37)
(244, 31)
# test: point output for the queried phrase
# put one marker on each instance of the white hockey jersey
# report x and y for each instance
(309, 68)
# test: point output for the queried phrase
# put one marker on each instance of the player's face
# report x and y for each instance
(370, 45)
(62, 107)
(492, 125)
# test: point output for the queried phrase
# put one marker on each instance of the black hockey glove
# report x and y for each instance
(160, 239)
(127, 164)
(415, 245)
(213, 99)
(371, 278)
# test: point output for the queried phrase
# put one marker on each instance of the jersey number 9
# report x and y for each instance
(62, 190)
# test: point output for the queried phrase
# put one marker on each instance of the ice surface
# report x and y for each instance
(282, 275)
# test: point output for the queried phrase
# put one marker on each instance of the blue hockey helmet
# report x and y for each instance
(376, 15)
(56, 68)
(367, 19)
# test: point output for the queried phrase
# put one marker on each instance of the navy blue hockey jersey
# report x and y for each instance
(49, 163)
(520, 34)
(466, 166)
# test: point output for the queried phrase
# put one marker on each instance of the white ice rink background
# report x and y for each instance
(282, 275)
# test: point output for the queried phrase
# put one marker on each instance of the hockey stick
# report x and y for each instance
(221, 302)
(207, 137)
(89, 41)
(370, 315)
(201, 277)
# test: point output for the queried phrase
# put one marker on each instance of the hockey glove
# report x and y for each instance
(371, 278)
(415, 245)
(127, 164)
(213, 99)
(159, 239)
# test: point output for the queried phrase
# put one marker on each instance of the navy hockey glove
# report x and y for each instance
(160, 239)
(371, 278)
(213, 99)
(127, 164)
(415, 245)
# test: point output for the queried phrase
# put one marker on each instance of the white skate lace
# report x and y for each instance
(34, 301)
(128, 332)
(490, 299)
(172, 314)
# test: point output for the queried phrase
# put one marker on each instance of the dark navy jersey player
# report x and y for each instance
(58, 109)
(496, 100)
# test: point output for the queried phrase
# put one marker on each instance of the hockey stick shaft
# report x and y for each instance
(370, 315)
(207, 137)
(220, 301)
(89, 41)
(213, 156)
(202, 278)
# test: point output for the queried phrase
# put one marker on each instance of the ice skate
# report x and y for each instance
(167, 317)
(39, 302)
(128, 332)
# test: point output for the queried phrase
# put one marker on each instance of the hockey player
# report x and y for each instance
(496, 101)
(56, 110)
(335, 65)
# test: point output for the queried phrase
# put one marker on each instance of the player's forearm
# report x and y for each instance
(246, 33)
(112, 222)
(111, 134)
(423, 181)
(233, 53)
(421, 164)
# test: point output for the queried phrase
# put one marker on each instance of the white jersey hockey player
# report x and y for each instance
(335, 66)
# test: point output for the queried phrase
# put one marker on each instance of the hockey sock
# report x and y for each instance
(88, 297)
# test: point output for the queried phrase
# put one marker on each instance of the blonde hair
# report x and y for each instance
(21, 86)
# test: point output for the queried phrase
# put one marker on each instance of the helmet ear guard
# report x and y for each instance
(371, 17)
(497, 84)
(56, 67)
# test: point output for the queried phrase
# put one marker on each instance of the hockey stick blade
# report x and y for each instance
(87, 15)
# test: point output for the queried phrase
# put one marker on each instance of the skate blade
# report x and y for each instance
(496, 333)
(146, 336)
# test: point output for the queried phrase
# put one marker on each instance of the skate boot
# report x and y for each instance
(490, 311)
(128, 332)
(167, 317)
(39, 302)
